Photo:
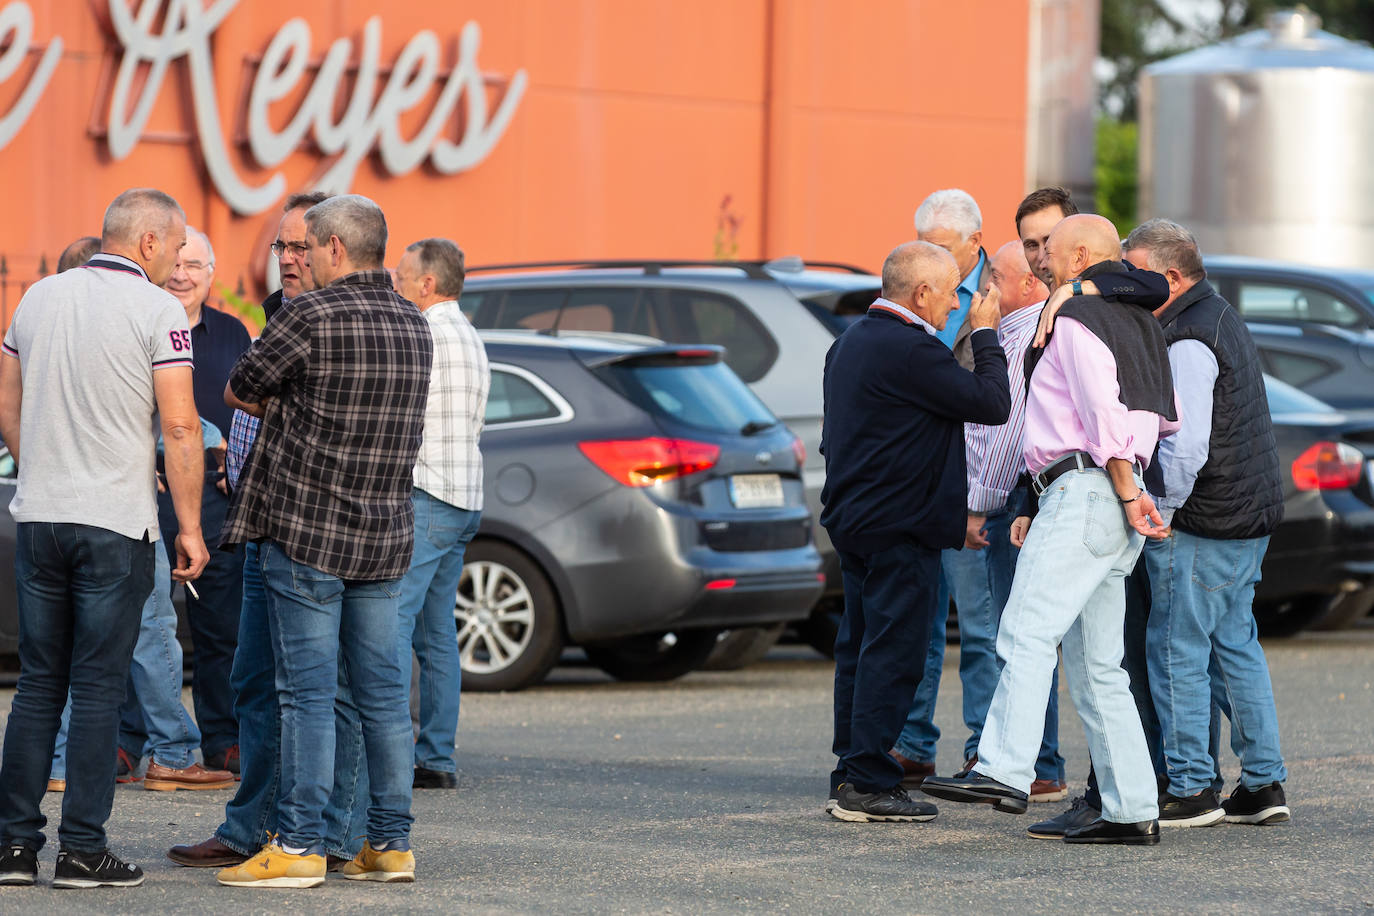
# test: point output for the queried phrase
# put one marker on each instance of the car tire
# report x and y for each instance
(1290, 616)
(1347, 610)
(653, 656)
(818, 630)
(510, 630)
(737, 649)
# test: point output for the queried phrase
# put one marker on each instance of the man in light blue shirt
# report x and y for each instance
(952, 220)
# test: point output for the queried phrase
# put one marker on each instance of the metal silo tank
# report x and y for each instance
(1262, 145)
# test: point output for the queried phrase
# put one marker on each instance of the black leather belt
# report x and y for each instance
(1074, 461)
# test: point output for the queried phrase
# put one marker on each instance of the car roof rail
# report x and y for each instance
(650, 266)
(755, 269)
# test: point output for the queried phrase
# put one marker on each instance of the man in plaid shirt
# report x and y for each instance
(447, 499)
(340, 380)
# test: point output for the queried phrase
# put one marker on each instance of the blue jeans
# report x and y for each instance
(890, 599)
(428, 628)
(1069, 589)
(1202, 647)
(79, 589)
(252, 813)
(315, 620)
(152, 720)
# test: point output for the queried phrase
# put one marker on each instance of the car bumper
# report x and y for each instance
(1324, 546)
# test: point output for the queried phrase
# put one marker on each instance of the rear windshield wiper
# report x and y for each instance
(756, 426)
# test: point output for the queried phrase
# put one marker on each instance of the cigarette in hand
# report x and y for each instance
(192, 589)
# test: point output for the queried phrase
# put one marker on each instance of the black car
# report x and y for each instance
(1320, 564)
(1312, 325)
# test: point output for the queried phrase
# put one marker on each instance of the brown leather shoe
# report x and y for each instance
(335, 863)
(913, 771)
(165, 779)
(57, 785)
(1048, 790)
(209, 854)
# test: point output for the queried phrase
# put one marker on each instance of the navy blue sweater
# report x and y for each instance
(893, 440)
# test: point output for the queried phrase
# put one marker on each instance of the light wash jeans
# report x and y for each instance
(316, 619)
(1202, 646)
(1069, 589)
(428, 628)
(154, 692)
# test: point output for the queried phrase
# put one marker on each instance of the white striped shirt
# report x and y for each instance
(449, 467)
(995, 461)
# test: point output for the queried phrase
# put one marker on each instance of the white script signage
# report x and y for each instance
(370, 119)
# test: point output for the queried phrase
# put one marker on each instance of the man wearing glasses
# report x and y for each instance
(218, 339)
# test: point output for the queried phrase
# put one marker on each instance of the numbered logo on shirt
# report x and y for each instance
(181, 340)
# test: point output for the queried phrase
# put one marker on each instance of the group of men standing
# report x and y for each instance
(343, 499)
(1019, 461)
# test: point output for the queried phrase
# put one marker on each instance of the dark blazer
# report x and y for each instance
(893, 436)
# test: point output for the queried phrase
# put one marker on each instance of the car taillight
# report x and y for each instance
(644, 462)
(1328, 466)
(800, 451)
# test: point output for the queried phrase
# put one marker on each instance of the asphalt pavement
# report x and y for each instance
(704, 795)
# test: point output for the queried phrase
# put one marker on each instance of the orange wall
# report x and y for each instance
(825, 124)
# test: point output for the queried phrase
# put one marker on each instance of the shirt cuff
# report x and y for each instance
(983, 500)
(992, 331)
(1166, 513)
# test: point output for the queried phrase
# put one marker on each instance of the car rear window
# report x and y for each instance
(707, 396)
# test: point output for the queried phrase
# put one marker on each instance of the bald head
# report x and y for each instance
(1014, 279)
(922, 277)
(1079, 242)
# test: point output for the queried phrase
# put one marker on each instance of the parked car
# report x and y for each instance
(1312, 325)
(1320, 564)
(639, 498)
(775, 319)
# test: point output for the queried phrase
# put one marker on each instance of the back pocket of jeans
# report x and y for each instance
(1214, 570)
(1104, 527)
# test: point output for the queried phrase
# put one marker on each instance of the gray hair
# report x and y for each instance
(358, 223)
(444, 260)
(949, 209)
(136, 211)
(78, 253)
(209, 249)
(1171, 246)
(911, 264)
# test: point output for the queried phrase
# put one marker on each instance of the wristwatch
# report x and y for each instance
(1078, 287)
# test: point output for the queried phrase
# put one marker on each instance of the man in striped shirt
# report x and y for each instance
(981, 573)
(447, 499)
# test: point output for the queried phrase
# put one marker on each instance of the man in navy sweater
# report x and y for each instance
(895, 406)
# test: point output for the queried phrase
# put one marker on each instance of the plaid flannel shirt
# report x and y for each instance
(345, 375)
(450, 464)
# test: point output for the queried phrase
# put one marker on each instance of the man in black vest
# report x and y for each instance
(1223, 497)
(895, 489)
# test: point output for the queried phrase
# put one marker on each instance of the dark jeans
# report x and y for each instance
(214, 622)
(890, 600)
(81, 592)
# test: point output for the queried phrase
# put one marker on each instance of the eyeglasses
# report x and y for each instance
(280, 248)
(196, 266)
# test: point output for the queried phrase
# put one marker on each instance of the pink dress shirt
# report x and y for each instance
(1074, 405)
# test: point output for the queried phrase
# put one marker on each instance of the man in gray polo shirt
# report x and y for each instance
(91, 357)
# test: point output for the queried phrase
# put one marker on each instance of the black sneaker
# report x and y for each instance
(18, 865)
(94, 869)
(1265, 805)
(892, 805)
(1079, 814)
(1200, 810)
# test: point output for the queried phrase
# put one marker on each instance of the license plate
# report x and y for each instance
(756, 491)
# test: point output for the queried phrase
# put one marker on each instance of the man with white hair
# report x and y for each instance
(218, 340)
(895, 405)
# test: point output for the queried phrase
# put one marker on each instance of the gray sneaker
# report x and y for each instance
(890, 805)
(1079, 814)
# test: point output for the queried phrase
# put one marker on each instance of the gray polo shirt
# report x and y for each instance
(88, 342)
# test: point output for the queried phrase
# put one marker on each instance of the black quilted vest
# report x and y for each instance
(1239, 491)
